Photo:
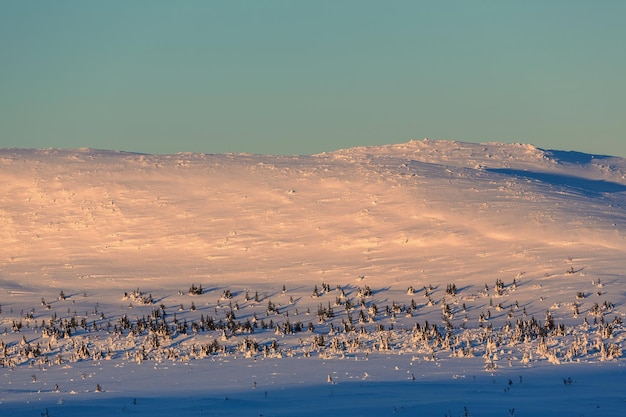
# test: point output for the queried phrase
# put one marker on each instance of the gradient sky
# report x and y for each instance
(301, 77)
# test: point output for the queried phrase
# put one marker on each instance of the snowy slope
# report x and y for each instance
(359, 211)
(547, 225)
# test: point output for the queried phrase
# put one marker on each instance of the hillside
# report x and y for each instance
(505, 256)
(373, 211)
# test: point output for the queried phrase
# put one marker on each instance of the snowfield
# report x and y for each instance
(426, 278)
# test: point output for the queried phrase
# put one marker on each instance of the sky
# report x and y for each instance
(302, 77)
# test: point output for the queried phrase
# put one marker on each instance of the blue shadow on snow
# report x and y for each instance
(586, 186)
(573, 157)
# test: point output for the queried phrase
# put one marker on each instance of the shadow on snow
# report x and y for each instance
(573, 157)
(591, 188)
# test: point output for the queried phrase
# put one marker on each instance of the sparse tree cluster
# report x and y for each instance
(349, 320)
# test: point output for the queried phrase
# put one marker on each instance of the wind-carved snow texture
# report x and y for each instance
(169, 284)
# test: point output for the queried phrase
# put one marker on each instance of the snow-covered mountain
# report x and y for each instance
(344, 252)
(384, 212)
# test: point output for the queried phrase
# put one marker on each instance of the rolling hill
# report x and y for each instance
(485, 256)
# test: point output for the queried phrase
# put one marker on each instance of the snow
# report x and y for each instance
(523, 233)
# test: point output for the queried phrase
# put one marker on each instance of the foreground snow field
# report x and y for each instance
(292, 386)
(426, 278)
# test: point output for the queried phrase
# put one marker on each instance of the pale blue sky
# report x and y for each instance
(300, 77)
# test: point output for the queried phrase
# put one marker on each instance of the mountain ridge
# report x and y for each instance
(91, 207)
